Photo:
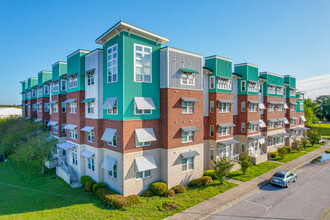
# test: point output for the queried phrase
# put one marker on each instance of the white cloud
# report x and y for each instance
(315, 86)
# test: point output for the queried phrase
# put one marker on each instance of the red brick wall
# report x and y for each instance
(43, 115)
(274, 114)
(173, 119)
(206, 128)
(246, 116)
(59, 116)
(98, 132)
(289, 113)
(31, 113)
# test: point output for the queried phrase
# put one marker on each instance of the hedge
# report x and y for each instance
(179, 189)
(170, 193)
(210, 173)
(203, 181)
(98, 185)
(148, 193)
(158, 188)
(272, 155)
(119, 201)
(89, 185)
(103, 191)
(287, 149)
(83, 179)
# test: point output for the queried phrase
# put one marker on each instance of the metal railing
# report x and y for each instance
(235, 157)
(62, 163)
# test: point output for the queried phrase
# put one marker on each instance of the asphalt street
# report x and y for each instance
(308, 198)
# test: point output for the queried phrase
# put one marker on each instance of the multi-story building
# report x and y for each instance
(135, 112)
(43, 92)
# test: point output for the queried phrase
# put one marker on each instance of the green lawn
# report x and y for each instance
(291, 156)
(254, 171)
(323, 129)
(328, 151)
(52, 198)
(310, 148)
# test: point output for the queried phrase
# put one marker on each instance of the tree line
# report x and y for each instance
(317, 110)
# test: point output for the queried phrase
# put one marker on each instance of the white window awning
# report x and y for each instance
(303, 118)
(262, 124)
(70, 100)
(254, 102)
(145, 134)
(37, 120)
(52, 123)
(229, 142)
(286, 106)
(109, 162)
(262, 106)
(293, 118)
(189, 154)
(188, 129)
(286, 121)
(108, 134)
(293, 103)
(273, 120)
(38, 103)
(225, 101)
(227, 125)
(109, 103)
(52, 102)
(66, 145)
(70, 127)
(254, 122)
(257, 137)
(145, 163)
(189, 99)
(87, 128)
(87, 154)
(144, 103)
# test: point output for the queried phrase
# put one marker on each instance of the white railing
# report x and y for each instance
(235, 157)
(261, 151)
(62, 163)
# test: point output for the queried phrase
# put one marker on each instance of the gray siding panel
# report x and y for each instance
(163, 69)
(206, 95)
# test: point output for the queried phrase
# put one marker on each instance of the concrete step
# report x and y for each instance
(75, 184)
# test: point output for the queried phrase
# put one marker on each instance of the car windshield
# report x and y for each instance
(279, 175)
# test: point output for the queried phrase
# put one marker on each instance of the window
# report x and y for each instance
(243, 85)
(211, 106)
(280, 90)
(212, 82)
(113, 172)
(141, 144)
(34, 107)
(280, 107)
(90, 107)
(212, 130)
(187, 136)
(271, 125)
(73, 107)
(39, 108)
(242, 146)
(46, 107)
(39, 91)
(301, 106)
(224, 131)
(271, 89)
(224, 83)
(34, 93)
(90, 78)
(187, 164)
(141, 111)
(143, 174)
(212, 153)
(271, 141)
(74, 157)
(142, 63)
(271, 107)
(29, 107)
(112, 64)
(253, 107)
(280, 124)
(292, 92)
(63, 107)
(54, 108)
(253, 87)
(90, 136)
(188, 79)
(224, 107)
(73, 133)
(55, 86)
(63, 129)
(114, 110)
(242, 106)
(253, 145)
(46, 89)
(55, 129)
(292, 107)
(253, 128)
(73, 81)
(113, 142)
(187, 107)
(63, 85)
(91, 163)
(29, 94)
(243, 127)
(291, 135)
(292, 122)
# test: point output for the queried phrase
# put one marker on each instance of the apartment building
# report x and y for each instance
(134, 111)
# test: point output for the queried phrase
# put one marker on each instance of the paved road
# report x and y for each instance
(308, 198)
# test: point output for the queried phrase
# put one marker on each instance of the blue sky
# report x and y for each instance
(284, 37)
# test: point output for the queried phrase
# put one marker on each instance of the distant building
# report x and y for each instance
(8, 112)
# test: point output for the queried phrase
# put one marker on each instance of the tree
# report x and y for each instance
(323, 103)
(281, 153)
(246, 162)
(222, 168)
(310, 109)
(313, 137)
(304, 143)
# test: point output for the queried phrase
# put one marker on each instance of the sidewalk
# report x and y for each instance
(224, 200)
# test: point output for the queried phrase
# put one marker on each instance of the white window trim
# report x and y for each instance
(244, 86)
(143, 111)
(188, 74)
(187, 164)
(111, 143)
(188, 107)
(116, 103)
(91, 137)
(243, 130)
(212, 78)
(115, 45)
(212, 107)
(211, 128)
(65, 82)
(143, 46)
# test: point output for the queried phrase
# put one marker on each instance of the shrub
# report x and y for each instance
(281, 153)
(158, 188)
(133, 199)
(169, 193)
(245, 162)
(210, 173)
(98, 185)
(116, 200)
(222, 168)
(328, 151)
(148, 193)
(89, 185)
(179, 189)
(287, 149)
(103, 191)
(199, 182)
(272, 155)
(83, 179)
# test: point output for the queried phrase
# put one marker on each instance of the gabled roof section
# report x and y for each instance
(124, 26)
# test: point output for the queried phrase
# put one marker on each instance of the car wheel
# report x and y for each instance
(295, 179)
